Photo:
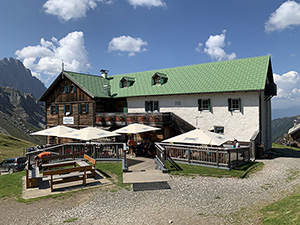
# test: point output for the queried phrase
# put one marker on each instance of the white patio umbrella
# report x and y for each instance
(89, 133)
(55, 131)
(199, 136)
(135, 128)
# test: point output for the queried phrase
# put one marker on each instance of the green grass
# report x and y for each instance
(11, 185)
(12, 147)
(275, 145)
(113, 171)
(188, 170)
(285, 211)
(71, 220)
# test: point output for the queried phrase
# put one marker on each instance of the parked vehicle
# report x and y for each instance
(13, 165)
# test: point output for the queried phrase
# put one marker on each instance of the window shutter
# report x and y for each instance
(240, 105)
(229, 104)
(87, 108)
(152, 81)
(125, 107)
(79, 108)
(56, 109)
(68, 88)
(129, 83)
(121, 84)
(156, 106)
(209, 105)
(64, 109)
(200, 108)
(146, 106)
(65, 89)
(51, 110)
(71, 108)
(74, 88)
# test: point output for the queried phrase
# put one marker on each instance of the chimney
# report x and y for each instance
(295, 123)
(104, 73)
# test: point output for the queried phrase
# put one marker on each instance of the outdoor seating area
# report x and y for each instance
(58, 172)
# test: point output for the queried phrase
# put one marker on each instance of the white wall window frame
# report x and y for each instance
(151, 106)
(234, 105)
(204, 105)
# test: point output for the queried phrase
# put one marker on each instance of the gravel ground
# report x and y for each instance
(191, 200)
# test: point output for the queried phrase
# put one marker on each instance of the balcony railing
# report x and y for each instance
(122, 119)
(225, 158)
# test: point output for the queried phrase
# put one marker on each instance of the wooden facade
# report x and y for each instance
(67, 104)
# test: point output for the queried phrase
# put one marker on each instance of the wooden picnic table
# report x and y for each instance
(80, 171)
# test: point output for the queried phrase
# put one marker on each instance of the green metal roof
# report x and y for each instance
(235, 75)
(93, 85)
(248, 74)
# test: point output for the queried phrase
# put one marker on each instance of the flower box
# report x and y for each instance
(153, 119)
(130, 119)
(142, 119)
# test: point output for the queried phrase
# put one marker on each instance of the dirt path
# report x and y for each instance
(191, 200)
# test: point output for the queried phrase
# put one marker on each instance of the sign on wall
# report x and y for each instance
(68, 120)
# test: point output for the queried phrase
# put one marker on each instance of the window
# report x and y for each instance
(151, 106)
(68, 109)
(83, 108)
(67, 89)
(73, 87)
(234, 104)
(159, 79)
(177, 102)
(204, 104)
(126, 82)
(219, 130)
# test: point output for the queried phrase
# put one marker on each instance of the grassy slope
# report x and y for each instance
(12, 147)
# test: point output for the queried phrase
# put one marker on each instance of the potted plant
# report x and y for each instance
(141, 119)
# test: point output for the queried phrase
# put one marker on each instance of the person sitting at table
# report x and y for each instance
(39, 156)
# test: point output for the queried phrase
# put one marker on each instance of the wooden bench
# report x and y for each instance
(59, 176)
(32, 177)
(59, 157)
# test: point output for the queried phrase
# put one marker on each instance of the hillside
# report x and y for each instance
(20, 115)
(281, 126)
(14, 74)
(12, 147)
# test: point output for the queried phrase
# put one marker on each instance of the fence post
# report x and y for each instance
(94, 150)
(189, 155)
(217, 157)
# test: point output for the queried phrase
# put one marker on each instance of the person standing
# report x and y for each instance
(236, 144)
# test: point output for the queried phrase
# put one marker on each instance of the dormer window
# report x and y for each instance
(159, 79)
(126, 82)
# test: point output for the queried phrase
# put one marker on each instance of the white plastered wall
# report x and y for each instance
(240, 125)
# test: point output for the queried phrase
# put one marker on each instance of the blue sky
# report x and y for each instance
(126, 36)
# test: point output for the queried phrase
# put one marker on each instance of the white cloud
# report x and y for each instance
(47, 57)
(287, 15)
(288, 90)
(147, 3)
(198, 48)
(127, 44)
(214, 47)
(71, 9)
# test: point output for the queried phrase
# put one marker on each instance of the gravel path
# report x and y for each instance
(191, 200)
